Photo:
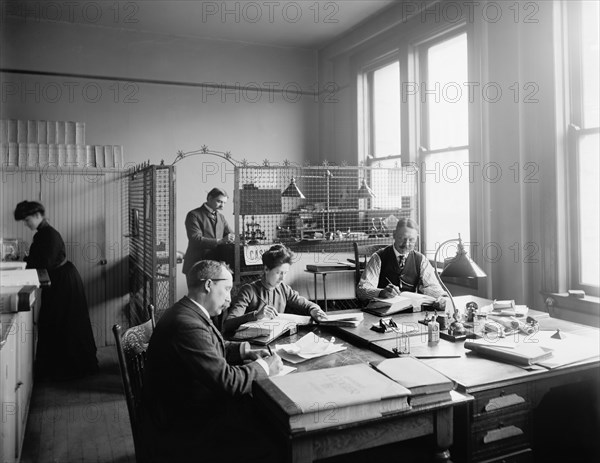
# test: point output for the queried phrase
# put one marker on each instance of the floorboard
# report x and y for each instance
(84, 420)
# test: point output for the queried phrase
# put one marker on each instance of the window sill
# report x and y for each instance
(585, 310)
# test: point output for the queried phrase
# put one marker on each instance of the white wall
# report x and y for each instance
(152, 120)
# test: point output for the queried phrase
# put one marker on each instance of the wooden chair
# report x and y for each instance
(362, 253)
(131, 350)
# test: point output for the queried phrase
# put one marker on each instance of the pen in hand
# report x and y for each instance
(270, 351)
(394, 286)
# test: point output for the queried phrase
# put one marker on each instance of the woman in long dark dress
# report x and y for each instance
(66, 347)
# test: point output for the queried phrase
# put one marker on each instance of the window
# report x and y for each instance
(444, 151)
(437, 93)
(584, 146)
(384, 130)
(385, 110)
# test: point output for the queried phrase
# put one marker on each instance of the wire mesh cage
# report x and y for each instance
(152, 258)
(319, 208)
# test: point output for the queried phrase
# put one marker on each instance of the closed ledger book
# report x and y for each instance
(426, 384)
(520, 354)
(331, 397)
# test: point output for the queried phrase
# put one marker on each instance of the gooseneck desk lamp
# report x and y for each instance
(459, 266)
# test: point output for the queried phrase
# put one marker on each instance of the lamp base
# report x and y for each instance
(458, 337)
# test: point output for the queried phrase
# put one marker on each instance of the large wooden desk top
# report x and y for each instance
(469, 371)
(433, 419)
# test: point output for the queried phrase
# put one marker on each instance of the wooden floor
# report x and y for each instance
(80, 421)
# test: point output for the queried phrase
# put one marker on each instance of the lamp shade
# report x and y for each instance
(292, 191)
(461, 265)
(364, 192)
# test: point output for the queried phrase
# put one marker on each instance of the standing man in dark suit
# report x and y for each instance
(206, 229)
(197, 384)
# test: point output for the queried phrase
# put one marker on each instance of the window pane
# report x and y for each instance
(447, 104)
(589, 235)
(386, 110)
(590, 61)
(446, 198)
(395, 188)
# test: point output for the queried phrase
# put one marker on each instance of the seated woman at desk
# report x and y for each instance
(269, 296)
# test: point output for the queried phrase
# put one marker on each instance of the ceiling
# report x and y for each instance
(302, 23)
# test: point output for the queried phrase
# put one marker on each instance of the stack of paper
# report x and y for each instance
(308, 347)
(343, 319)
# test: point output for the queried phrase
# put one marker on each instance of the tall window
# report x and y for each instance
(385, 133)
(439, 95)
(444, 151)
(385, 110)
(584, 147)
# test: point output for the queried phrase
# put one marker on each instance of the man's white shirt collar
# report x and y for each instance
(397, 253)
(210, 209)
(204, 311)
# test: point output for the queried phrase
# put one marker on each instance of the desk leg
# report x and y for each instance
(443, 434)
(300, 451)
(315, 280)
(324, 292)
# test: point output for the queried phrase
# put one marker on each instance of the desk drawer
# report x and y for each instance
(500, 400)
(501, 435)
(522, 456)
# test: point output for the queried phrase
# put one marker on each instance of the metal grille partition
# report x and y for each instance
(318, 212)
(152, 256)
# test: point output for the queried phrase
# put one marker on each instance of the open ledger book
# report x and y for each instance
(406, 301)
(268, 329)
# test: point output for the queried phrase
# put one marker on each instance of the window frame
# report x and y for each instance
(368, 113)
(575, 132)
(419, 53)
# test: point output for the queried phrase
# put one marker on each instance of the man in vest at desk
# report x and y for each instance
(207, 230)
(399, 267)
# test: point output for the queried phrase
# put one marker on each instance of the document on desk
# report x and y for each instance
(344, 319)
(308, 347)
(384, 307)
(285, 370)
(569, 349)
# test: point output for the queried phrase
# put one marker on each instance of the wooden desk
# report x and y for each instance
(502, 421)
(307, 446)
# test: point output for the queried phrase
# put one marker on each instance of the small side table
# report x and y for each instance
(324, 273)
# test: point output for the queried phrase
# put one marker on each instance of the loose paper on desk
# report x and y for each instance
(297, 319)
(308, 347)
(285, 370)
(568, 350)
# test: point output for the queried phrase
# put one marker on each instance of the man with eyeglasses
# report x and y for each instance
(197, 384)
(399, 267)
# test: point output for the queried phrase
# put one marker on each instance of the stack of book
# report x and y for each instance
(426, 385)
(330, 397)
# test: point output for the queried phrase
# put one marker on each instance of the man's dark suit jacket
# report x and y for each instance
(191, 376)
(203, 234)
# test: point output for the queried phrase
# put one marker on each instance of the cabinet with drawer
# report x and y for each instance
(496, 425)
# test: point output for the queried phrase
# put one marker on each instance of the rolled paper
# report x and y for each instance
(507, 322)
